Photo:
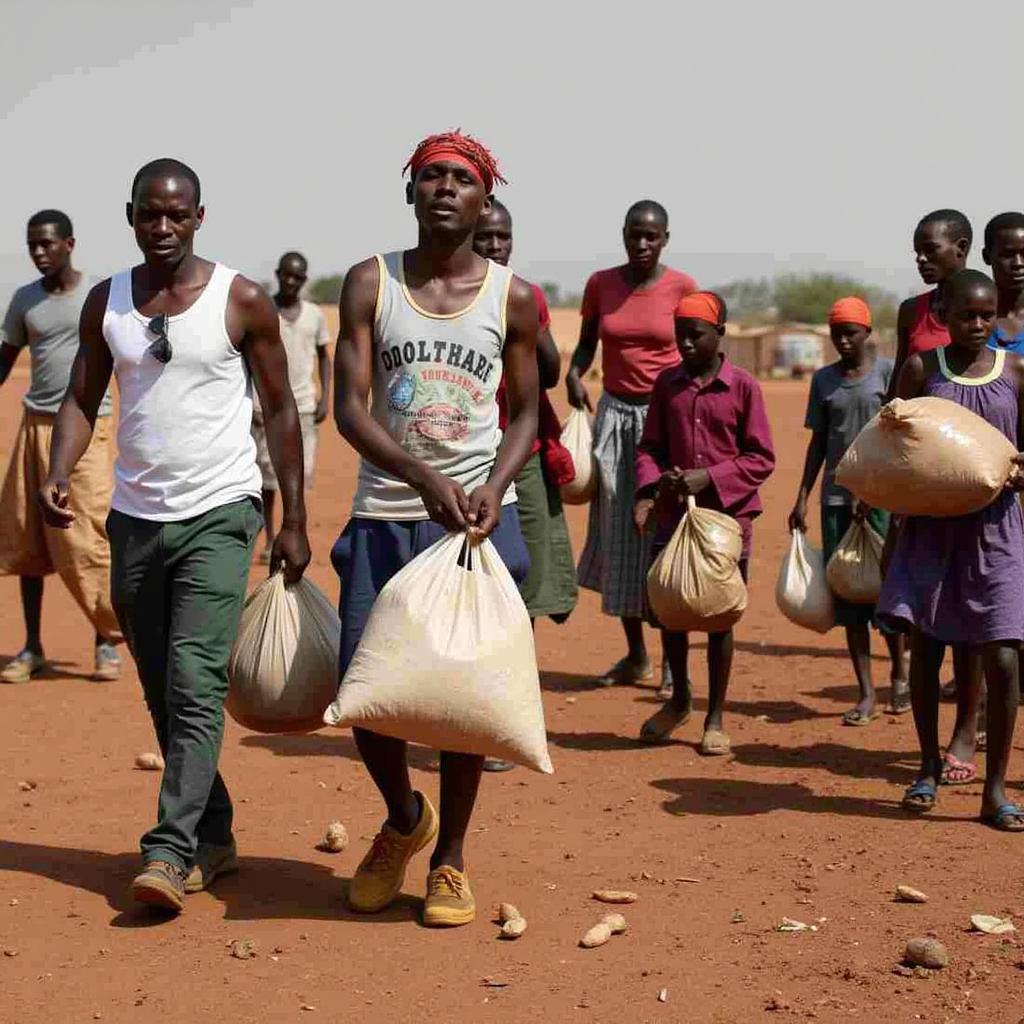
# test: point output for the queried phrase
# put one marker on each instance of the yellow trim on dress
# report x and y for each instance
(439, 316)
(993, 374)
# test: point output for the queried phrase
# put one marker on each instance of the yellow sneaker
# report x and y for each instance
(379, 877)
(449, 899)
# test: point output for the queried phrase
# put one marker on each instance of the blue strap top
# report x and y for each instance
(1000, 340)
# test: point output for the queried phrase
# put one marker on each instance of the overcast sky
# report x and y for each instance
(782, 135)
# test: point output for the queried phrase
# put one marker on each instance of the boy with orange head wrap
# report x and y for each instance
(706, 435)
(844, 396)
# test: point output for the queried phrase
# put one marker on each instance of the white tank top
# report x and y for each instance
(184, 442)
(434, 381)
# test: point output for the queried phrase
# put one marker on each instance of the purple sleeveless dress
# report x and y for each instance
(961, 579)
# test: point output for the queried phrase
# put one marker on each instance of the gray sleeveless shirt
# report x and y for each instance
(434, 381)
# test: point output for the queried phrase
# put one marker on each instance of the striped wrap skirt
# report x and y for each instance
(616, 557)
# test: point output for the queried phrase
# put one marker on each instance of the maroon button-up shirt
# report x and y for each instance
(720, 426)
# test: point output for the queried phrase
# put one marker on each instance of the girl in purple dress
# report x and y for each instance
(960, 580)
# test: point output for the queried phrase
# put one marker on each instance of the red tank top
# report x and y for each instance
(927, 332)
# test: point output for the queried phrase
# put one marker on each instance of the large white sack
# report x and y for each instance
(447, 659)
(855, 568)
(283, 669)
(802, 591)
(695, 583)
(578, 438)
(927, 457)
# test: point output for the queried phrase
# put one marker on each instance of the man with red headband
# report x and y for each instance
(844, 396)
(428, 333)
(706, 435)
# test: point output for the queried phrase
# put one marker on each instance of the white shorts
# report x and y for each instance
(307, 424)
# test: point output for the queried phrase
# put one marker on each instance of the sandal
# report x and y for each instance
(627, 673)
(715, 743)
(660, 726)
(857, 717)
(899, 702)
(920, 798)
(956, 772)
(1005, 818)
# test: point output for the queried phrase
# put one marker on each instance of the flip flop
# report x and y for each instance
(920, 798)
(900, 703)
(660, 726)
(715, 743)
(855, 717)
(1005, 818)
(956, 772)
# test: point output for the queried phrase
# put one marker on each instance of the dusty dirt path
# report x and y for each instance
(801, 822)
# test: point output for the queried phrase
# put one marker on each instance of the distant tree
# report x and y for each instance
(807, 298)
(552, 293)
(326, 290)
(749, 299)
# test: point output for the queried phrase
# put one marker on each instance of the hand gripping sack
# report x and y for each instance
(855, 568)
(283, 670)
(927, 457)
(802, 591)
(578, 438)
(447, 659)
(695, 583)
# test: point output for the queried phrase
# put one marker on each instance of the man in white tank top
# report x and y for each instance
(429, 332)
(186, 339)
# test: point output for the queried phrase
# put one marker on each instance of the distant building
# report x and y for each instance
(786, 349)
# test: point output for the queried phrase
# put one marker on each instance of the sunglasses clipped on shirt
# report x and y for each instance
(161, 349)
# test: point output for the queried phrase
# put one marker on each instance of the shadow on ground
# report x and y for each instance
(717, 797)
(266, 888)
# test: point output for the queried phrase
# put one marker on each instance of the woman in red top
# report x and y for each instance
(942, 242)
(630, 310)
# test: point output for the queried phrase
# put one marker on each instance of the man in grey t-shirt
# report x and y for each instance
(43, 317)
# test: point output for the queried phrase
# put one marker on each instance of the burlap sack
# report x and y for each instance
(855, 568)
(578, 438)
(447, 659)
(802, 591)
(283, 670)
(927, 457)
(695, 583)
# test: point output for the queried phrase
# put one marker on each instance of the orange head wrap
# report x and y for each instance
(456, 148)
(700, 306)
(850, 310)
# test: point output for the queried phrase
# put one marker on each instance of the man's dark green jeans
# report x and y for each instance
(178, 590)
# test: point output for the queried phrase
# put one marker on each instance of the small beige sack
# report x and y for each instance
(695, 583)
(447, 659)
(283, 669)
(855, 568)
(927, 457)
(802, 591)
(578, 438)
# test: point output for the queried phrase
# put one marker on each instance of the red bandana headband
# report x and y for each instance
(456, 148)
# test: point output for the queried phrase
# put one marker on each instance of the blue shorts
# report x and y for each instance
(370, 551)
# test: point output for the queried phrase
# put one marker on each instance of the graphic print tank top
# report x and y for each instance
(434, 382)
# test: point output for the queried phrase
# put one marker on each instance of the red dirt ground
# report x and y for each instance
(801, 822)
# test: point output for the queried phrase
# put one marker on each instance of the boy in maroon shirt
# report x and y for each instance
(706, 435)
